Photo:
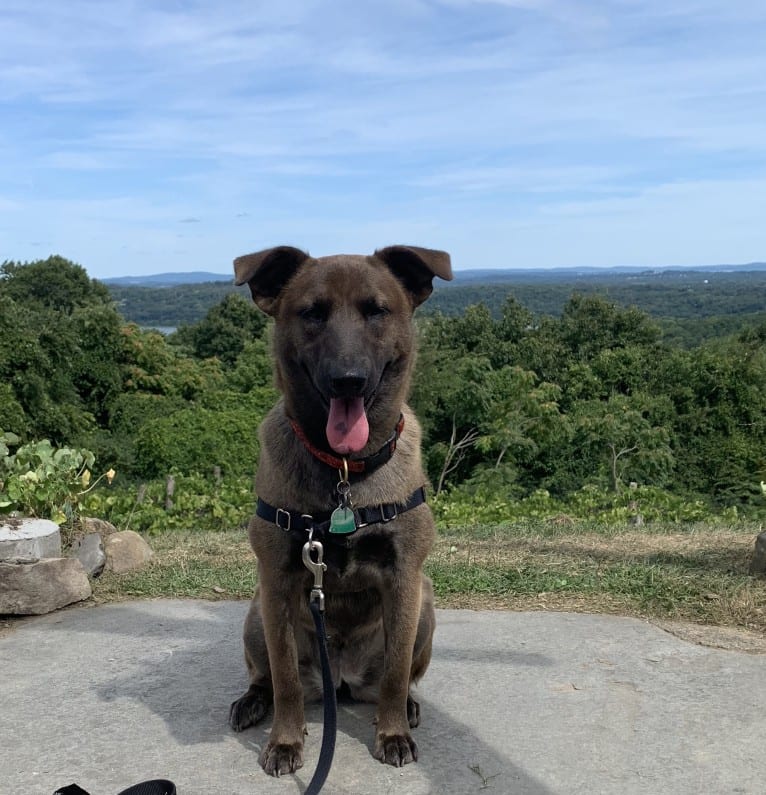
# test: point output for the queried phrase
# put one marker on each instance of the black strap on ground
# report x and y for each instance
(156, 787)
(330, 727)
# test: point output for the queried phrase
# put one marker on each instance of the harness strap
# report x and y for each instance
(294, 521)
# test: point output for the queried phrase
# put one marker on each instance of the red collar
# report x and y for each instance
(356, 465)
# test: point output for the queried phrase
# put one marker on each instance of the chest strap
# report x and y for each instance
(294, 521)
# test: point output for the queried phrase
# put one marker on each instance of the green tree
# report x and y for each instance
(59, 334)
(226, 329)
(591, 324)
(150, 364)
(615, 440)
(54, 283)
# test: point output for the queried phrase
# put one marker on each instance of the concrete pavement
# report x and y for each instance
(513, 704)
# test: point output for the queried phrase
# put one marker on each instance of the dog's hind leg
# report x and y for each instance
(254, 704)
(250, 708)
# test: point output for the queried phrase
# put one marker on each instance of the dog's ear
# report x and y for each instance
(416, 267)
(267, 272)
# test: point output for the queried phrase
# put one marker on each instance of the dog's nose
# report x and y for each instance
(350, 384)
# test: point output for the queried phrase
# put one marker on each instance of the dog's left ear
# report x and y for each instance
(267, 272)
(416, 267)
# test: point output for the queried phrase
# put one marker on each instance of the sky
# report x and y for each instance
(148, 136)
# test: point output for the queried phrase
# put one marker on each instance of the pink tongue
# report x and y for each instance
(347, 428)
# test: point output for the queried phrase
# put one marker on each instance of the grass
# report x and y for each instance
(204, 565)
(672, 573)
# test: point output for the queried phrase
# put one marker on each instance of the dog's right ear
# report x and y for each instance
(267, 272)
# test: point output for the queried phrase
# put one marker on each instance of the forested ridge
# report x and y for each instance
(689, 306)
(522, 408)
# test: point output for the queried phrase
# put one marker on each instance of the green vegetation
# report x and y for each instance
(581, 459)
(593, 398)
(39, 480)
(522, 415)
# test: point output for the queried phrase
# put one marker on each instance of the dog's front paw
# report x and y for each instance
(249, 709)
(395, 749)
(279, 758)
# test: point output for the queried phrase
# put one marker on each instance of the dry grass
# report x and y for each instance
(698, 575)
(666, 574)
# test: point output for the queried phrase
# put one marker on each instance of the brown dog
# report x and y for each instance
(344, 351)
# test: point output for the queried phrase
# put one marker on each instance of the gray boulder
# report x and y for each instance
(89, 550)
(41, 587)
(89, 524)
(126, 551)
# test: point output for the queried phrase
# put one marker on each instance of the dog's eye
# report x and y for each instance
(372, 309)
(316, 313)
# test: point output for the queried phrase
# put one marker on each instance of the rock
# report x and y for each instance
(126, 551)
(29, 539)
(41, 587)
(758, 563)
(89, 550)
(90, 525)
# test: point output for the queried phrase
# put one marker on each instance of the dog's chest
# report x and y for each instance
(352, 560)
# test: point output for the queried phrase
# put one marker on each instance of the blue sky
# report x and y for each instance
(141, 137)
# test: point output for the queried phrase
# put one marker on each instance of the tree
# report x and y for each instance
(59, 343)
(719, 399)
(226, 329)
(151, 365)
(590, 324)
(54, 283)
(615, 438)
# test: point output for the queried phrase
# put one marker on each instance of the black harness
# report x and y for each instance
(298, 523)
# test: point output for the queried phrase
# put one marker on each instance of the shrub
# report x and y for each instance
(198, 503)
(43, 481)
(195, 440)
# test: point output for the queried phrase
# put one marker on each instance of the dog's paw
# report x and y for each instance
(279, 758)
(395, 749)
(249, 709)
(413, 712)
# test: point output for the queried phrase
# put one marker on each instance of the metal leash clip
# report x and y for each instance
(317, 568)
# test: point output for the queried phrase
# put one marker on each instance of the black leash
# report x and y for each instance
(330, 727)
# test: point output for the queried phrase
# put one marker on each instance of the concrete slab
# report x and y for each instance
(29, 539)
(522, 703)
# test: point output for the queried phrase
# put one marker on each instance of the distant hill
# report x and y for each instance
(570, 275)
(169, 279)
(469, 275)
(692, 303)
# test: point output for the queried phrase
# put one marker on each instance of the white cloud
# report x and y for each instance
(483, 120)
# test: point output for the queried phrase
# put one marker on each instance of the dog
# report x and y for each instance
(344, 348)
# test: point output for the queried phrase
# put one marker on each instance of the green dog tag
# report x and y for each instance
(342, 521)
